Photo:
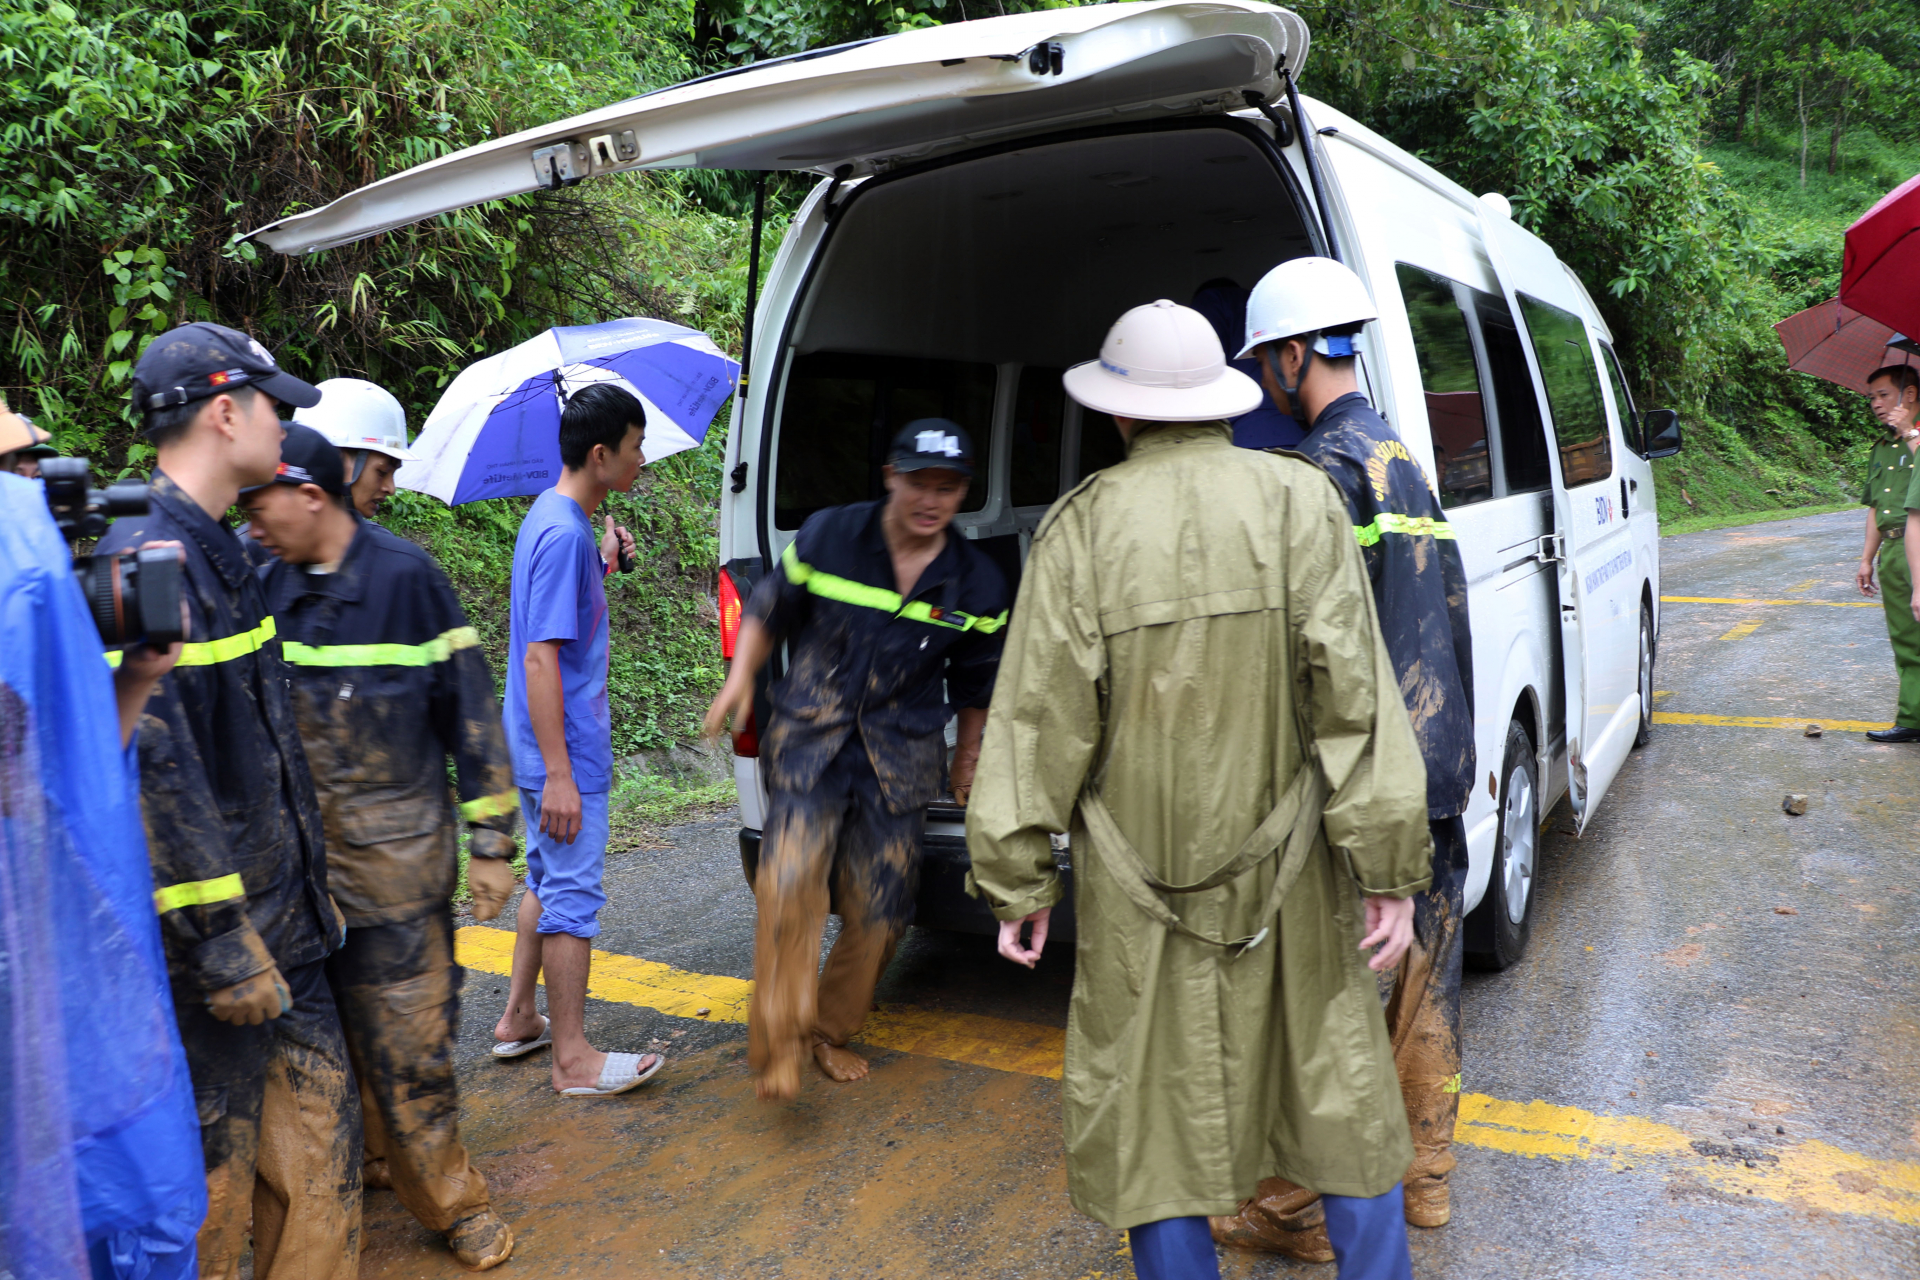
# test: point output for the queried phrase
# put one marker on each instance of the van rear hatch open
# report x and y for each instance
(865, 106)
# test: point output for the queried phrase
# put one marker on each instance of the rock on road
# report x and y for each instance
(1707, 1063)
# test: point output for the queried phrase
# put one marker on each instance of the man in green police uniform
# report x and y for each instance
(1893, 393)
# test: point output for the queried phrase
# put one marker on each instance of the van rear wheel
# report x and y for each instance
(1498, 928)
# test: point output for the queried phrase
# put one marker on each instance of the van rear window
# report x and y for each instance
(1039, 426)
(839, 416)
(1573, 391)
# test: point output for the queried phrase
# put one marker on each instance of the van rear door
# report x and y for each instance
(1599, 577)
(862, 106)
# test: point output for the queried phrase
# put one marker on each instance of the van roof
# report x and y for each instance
(864, 106)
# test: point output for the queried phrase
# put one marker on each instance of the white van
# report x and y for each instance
(996, 193)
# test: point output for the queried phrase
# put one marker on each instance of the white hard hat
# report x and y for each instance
(1305, 295)
(356, 414)
(1163, 363)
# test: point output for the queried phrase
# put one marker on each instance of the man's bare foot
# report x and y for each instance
(581, 1072)
(527, 1026)
(840, 1064)
(780, 1082)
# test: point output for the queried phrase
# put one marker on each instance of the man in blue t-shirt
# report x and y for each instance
(561, 738)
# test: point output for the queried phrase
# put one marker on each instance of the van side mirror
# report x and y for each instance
(1660, 430)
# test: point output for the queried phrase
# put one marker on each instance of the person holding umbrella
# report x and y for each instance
(561, 736)
(1886, 493)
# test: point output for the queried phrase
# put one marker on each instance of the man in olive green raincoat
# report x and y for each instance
(1194, 686)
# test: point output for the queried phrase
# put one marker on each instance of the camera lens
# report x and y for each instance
(133, 595)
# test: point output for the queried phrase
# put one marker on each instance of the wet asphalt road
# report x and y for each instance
(1730, 990)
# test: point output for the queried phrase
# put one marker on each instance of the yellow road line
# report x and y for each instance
(1767, 722)
(1810, 1175)
(1741, 631)
(1829, 604)
(1798, 587)
(1805, 1174)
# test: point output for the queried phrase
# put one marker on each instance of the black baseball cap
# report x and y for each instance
(307, 457)
(200, 360)
(926, 443)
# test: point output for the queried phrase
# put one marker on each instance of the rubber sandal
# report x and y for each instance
(519, 1048)
(621, 1073)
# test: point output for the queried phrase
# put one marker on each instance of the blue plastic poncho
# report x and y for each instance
(100, 1167)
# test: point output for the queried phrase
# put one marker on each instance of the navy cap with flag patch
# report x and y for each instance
(926, 443)
(307, 457)
(200, 360)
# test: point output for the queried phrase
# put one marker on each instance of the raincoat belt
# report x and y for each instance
(1294, 822)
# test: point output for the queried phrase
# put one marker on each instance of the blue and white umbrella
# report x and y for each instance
(496, 431)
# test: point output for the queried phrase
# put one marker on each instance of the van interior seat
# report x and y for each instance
(963, 290)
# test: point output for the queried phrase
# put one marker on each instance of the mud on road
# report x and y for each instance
(1707, 1063)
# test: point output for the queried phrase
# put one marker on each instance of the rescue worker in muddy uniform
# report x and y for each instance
(1301, 325)
(1195, 687)
(880, 603)
(389, 681)
(235, 838)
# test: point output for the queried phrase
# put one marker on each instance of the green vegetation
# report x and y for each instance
(1696, 161)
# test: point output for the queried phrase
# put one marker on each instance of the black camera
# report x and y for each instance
(134, 596)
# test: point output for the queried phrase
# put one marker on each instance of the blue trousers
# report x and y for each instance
(1369, 1238)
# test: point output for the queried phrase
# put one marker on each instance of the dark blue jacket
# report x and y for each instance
(389, 682)
(861, 658)
(233, 827)
(1419, 586)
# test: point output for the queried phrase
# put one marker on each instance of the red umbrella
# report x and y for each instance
(1841, 345)
(1880, 276)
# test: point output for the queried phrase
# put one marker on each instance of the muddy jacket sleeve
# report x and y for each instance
(1376, 812)
(781, 604)
(1043, 730)
(200, 896)
(466, 717)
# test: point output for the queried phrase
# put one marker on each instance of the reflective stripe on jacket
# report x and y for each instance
(389, 681)
(233, 827)
(1419, 586)
(861, 655)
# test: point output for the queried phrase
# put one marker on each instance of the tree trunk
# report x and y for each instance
(1803, 131)
(1839, 127)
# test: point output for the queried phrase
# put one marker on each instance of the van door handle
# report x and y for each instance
(1550, 548)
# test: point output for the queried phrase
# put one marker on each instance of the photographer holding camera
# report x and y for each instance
(234, 834)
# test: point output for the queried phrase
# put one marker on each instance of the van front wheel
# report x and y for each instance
(1497, 929)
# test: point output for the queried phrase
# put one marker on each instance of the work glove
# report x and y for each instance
(490, 881)
(251, 1001)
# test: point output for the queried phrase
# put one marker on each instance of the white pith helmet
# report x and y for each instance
(1162, 363)
(356, 414)
(1306, 295)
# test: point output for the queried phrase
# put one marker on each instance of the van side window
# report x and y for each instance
(1573, 391)
(1523, 440)
(1623, 401)
(840, 414)
(1039, 424)
(1450, 376)
(1100, 444)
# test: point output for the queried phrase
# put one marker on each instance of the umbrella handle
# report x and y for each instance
(626, 561)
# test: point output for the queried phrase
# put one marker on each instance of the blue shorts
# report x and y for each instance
(566, 877)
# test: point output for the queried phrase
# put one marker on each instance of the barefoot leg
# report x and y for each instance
(839, 1063)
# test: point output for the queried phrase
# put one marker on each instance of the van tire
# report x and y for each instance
(1494, 938)
(1643, 674)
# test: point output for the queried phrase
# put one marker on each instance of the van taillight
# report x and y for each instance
(746, 739)
(729, 615)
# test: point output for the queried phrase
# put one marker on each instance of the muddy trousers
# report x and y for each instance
(1423, 1021)
(399, 995)
(280, 1133)
(835, 844)
(1368, 1234)
(1896, 597)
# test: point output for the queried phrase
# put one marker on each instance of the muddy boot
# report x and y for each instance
(1427, 1197)
(481, 1242)
(1281, 1218)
